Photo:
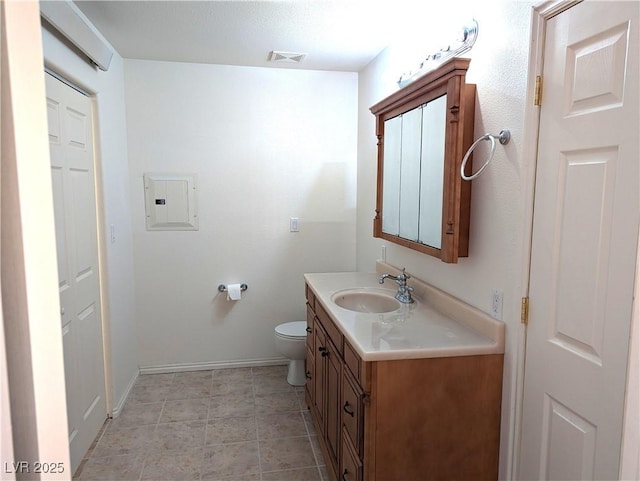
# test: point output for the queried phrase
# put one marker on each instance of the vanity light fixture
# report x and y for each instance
(463, 43)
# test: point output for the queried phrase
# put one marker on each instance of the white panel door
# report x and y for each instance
(584, 245)
(72, 172)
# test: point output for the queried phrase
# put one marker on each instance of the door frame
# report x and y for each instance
(100, 226)
(541, 13)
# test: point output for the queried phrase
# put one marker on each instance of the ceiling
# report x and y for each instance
(337, 35)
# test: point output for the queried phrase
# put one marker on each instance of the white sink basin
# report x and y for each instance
(375, 301)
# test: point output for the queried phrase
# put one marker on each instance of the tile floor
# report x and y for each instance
(243, 424)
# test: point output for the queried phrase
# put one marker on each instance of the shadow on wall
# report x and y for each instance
(325, 243)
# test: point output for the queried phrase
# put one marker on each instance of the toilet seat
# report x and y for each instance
(292, 330)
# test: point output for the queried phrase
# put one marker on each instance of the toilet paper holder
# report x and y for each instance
(223, 287)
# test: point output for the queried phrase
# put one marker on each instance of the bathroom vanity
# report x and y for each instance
(408, 392)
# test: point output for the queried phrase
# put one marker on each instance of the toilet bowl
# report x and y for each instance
(290, 342)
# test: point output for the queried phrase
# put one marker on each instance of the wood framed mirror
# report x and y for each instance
(423, 132)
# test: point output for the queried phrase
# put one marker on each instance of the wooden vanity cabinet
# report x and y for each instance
(324, 377)
(402, 420)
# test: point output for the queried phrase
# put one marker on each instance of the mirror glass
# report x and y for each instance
(423, 132)
(414, 173)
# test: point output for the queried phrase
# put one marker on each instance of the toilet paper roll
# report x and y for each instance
(234, 292)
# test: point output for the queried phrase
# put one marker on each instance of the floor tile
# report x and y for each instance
(225, 460)
(200, 390)
(139, 414)
(192, 377)
(180, 435)
(231, 405)
(303, 474)
(276, 402)
(185, 410)
(269, 384)
(281, 425)
(183, 465)
(123, 440)
(232, 374)
(145, 394)
(286, 453)
(248, 477)
(231, 430)
(274, 371)
(155, 379)
(244, 424)
(317, 450)
(308, 420)
(224, 387)
(324, 474)
(124, 467)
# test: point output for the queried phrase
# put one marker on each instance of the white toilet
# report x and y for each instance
(290, 342)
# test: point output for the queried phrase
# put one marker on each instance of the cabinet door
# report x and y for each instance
(352, 410)
(309, 386)
(311, 322)
(319, 355)
(350, 464)
(333, 407)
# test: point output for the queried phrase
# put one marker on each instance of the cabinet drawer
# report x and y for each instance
(311, 299)
(311, 321)
(352, 360)
(350, 465)
(330, 328)
(352, 410)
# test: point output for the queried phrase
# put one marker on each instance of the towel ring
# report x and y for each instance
(503, 137)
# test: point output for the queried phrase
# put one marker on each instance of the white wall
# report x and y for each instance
(499, 69)
(113, 194)
(266, 145)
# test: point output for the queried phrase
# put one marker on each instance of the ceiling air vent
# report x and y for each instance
(286, 57)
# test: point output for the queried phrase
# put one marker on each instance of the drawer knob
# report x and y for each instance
(308, 374)
(323, 350)
(309, 330)
(347, 410)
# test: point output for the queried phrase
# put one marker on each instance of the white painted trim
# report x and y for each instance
(541, 13)
(34, 359)
(117, 410)
(105, 311)
(67, 18)
(204, 366)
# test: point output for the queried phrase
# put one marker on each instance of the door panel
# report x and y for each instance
(584, 244)
(72, 173)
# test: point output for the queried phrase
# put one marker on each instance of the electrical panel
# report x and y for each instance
(170, 201)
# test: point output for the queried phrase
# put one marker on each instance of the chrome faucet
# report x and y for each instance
(404, 291)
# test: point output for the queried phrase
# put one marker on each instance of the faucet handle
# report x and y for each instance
(404, 276)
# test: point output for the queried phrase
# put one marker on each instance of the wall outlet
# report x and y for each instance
(294, 224)
(496, 304)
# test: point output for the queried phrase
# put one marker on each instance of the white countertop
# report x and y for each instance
(413, 331)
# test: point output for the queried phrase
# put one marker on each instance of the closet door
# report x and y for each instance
(72, 173)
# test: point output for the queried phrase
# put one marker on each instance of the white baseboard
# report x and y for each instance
(123, 399)
(205, 366)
